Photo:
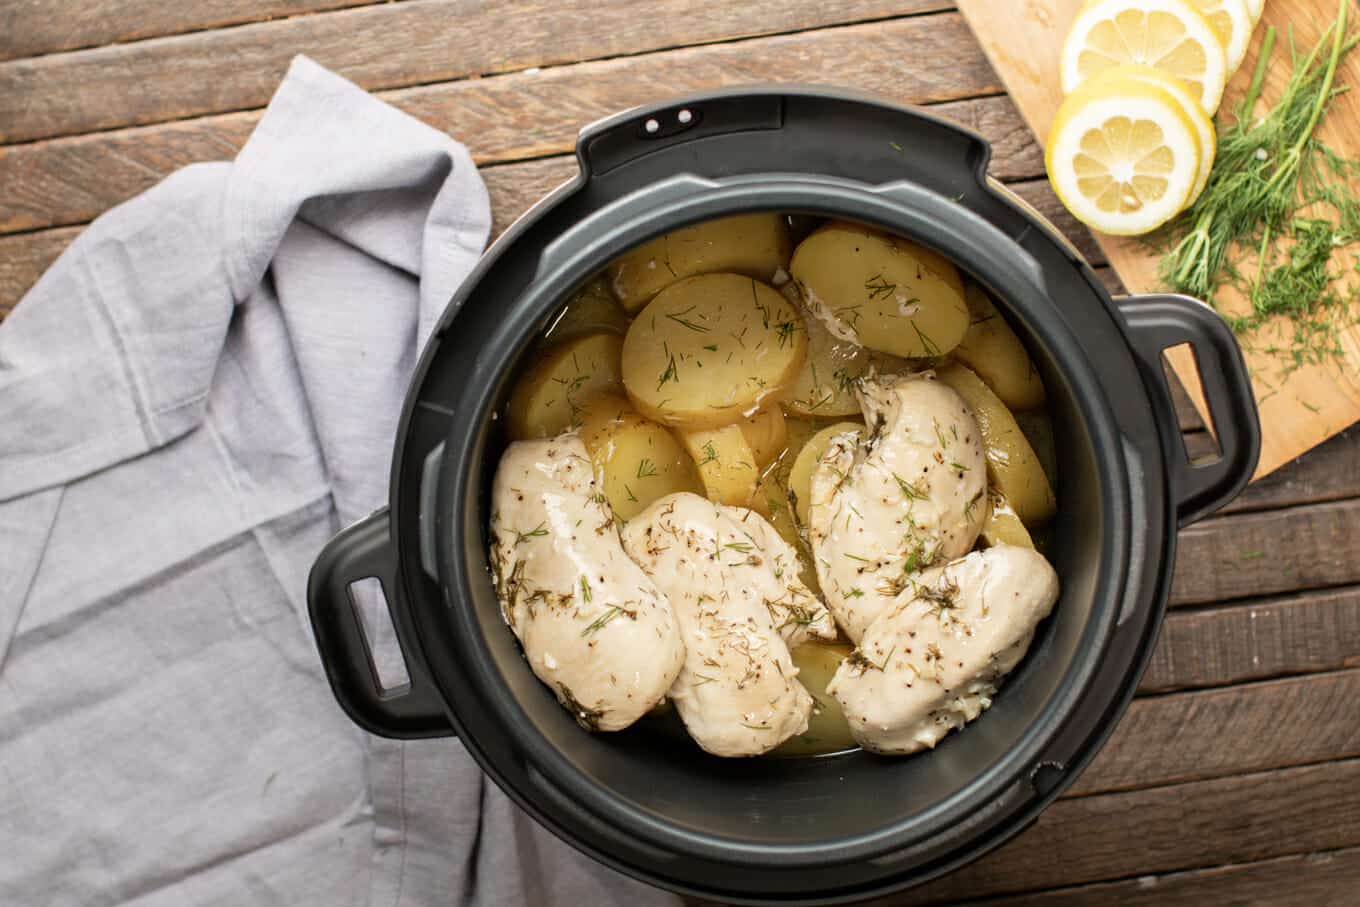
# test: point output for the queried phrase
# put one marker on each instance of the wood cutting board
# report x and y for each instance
(1023, 38)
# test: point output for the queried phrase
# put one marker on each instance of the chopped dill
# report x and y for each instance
(628, 491)
(537, 532)
(598, 623)
(586, 595)
(879, 288)
(646, 468)
(670, 373)
(710, 454)
(678, 318)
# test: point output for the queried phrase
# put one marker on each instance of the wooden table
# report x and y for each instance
(1235, 776)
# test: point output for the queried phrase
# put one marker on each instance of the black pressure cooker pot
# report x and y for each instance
(788, 830)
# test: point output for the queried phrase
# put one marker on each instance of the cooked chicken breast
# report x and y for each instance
(733, 584)
(907, 494)
(933, 662)
(593, 625)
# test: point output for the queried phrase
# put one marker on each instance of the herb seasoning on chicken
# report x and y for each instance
(933, 662)
(593, 625)
(909, 495)
(734, 586)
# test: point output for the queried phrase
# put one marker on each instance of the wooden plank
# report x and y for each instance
(1328, 472)
(533, 115)
(1317, 400)
(1166, 829)
(1297, 634)
(1300, 880)
(23, 258)
(1194, 736)
(1263, 553)
(29, 28)
(418, 42)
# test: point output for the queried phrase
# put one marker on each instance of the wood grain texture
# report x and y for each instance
(1274, 551)
(416, 42)
(1313, 403)
(23, 259)
(1328, 472)
(532, 115)
(1166, 829)
(1324, 879)
(1296, 634)
(29, 27)
(1206, 734)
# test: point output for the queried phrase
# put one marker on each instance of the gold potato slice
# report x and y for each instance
(825, 386)
(767, 435)
(711, 350)
(1003, 525)
(546, 401)
(880, 291)
(827, 731)
(591, 309)
(636, 460)
(1012, 466)
(996, 355)
(726, 464)
(756, 245)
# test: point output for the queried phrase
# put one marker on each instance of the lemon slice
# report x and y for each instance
(1171, 35)
(1123, 163)
(1109, 81)
(1233, 23)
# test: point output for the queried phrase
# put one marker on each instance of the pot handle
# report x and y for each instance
(1156, 322)
(359, 552)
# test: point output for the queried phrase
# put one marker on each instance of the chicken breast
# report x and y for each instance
(933, 662)
(733, 584)
(908, 494)
(593, 626)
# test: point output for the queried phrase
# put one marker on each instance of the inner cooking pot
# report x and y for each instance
(787, 830)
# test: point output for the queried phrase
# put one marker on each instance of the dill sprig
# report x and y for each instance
(1267, 171)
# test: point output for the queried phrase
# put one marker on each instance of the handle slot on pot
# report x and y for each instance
(363, 552)
(1201, 448)
(1158, 323)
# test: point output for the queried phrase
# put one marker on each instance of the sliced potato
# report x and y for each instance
(546, 401)
(767, 435)
(592, 309)
(881, 291)
(1038, 429)
(800, 475)
(825, 385)
(996, 355)
(726, 464)
(636, 460)
(1012, 466)
(827, 731)
(755, 245)
(1003, 525)
(710, 350)
(773, 493)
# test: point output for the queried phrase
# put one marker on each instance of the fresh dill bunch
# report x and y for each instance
(1266, 169)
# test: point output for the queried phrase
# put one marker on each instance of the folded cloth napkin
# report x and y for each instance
(192, 400)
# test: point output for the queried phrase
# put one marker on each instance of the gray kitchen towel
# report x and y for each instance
(201, 390)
